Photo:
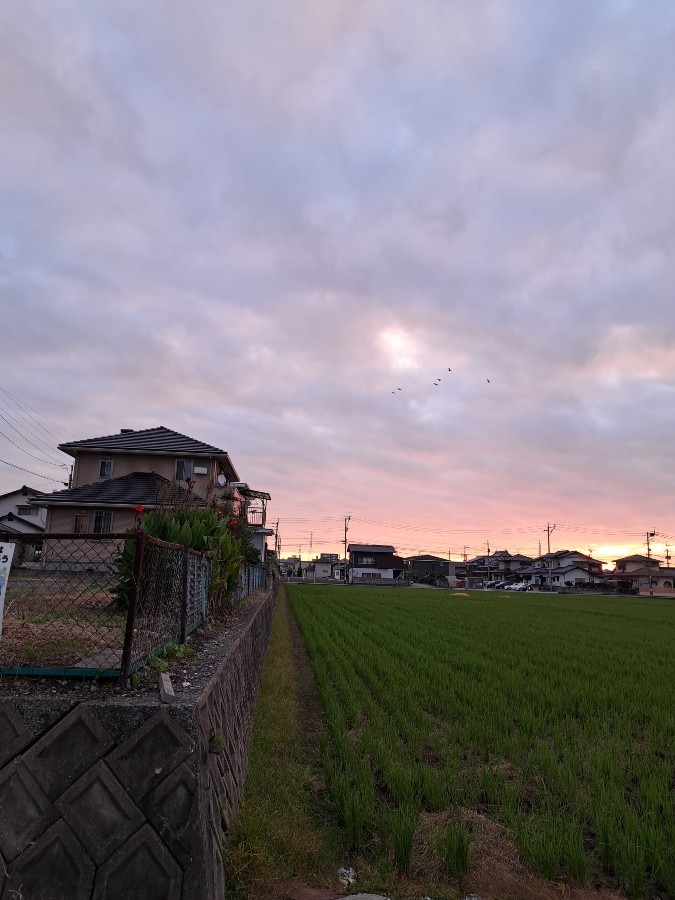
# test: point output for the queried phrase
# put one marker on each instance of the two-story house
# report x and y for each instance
(115, 474)
(564, 568)
(372, 561)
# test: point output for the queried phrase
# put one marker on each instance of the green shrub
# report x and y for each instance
(200, 528)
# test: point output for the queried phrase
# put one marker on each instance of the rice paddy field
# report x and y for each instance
(553, 715)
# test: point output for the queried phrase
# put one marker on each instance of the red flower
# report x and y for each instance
(139, 508)
(232, 523)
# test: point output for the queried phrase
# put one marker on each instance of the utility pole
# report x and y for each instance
(650, 534)
(347, 518)
(488, 561)
(549, 529)
(667, 557)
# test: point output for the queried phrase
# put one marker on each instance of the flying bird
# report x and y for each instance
(488, 381)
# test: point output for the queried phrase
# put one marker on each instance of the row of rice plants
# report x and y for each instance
(551, 714)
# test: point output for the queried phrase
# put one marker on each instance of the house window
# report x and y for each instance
(103, 521)
(80, 523)
(27, 510)
(366, 560)
(183, 469)
(105, 468)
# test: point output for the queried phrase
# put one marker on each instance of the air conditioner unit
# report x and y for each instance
(238, 484)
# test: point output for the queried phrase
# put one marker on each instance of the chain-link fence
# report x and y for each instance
(82, 605)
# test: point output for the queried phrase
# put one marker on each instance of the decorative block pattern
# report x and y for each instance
(100, 812)
(83, 819)
(25, 811)
(55, 868)
(152, 753)
(15, 735)
(172, 809)
(143, 869)
(67, 751)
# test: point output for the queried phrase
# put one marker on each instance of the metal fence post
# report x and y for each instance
(184, 596)
(131, 612)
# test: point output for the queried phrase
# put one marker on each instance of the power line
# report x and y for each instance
(37, 475)
(32, 455)
(22, 404)
(25, 423)
(28, 441)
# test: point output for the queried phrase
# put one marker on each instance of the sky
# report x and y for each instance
(253, 221)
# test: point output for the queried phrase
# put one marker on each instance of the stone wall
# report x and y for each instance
(124, 796)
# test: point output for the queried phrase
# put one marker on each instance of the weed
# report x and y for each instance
(158, 664)
(217, 742)
(179, 652)
(453, 848)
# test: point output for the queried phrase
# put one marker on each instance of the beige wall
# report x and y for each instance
(61, 519)
(87, 467)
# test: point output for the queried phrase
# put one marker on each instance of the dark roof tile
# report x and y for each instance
(138, 488)
(154, 440)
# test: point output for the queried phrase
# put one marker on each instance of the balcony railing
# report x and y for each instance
(256, 517)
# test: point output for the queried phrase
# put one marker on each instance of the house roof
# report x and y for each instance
(636, 557)
(24, 491)
(12, 517)
(559, 554)
(556, 570)
(370, 548)
(135, 489)
(425, 557)
(148, 440)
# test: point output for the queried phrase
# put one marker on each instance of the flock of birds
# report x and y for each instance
(435, 383)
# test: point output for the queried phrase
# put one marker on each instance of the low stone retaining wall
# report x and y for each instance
(125, 796)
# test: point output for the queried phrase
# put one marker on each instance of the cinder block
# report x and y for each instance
(55, 868)
(100, 812)
(65, 753)
(141, 868)
(25, 811)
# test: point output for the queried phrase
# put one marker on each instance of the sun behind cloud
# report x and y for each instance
(399, 348)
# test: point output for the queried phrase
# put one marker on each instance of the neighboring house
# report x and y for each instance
(256, 516)
(18, 517)
(154, 467)
(370, 561)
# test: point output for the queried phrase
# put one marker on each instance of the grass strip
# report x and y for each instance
(276, 836)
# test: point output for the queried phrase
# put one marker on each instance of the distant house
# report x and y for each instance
(372, 561)
(500, 565)
(564, 568)
(634, 562)
(153, 467)
(323, 566)
(426, 564)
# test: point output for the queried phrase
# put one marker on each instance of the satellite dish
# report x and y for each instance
(221, 479)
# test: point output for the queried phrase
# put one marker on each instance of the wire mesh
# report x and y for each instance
(70, 609)
(60, 610)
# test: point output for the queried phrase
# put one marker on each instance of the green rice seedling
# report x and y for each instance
(573, 857)
(400, 824)
(452, 846)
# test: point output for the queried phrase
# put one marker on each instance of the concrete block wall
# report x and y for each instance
(126, 797)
